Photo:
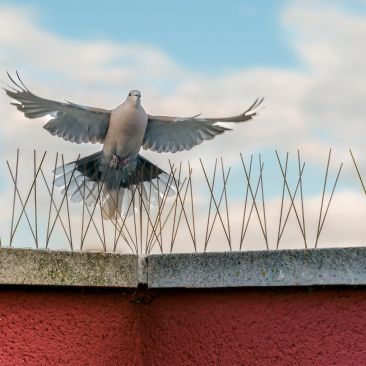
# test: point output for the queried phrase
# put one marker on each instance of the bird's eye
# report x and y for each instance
(130, 94)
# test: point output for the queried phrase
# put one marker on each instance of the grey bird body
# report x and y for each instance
(116, 169)
(127, 126)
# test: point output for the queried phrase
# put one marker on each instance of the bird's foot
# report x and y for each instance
(118, 162)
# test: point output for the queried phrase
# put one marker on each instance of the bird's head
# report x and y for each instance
(134, 96)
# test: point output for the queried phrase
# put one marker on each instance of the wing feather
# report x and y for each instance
(172, 134)
(70, 121)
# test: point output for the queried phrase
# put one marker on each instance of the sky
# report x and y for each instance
(307, 58)
(200, 35)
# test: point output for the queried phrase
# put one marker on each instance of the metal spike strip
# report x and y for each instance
(144, 230)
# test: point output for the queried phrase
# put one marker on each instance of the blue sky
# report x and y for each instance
(210, 36)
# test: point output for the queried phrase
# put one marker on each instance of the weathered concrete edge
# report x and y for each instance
(64, 268)
(330, 266)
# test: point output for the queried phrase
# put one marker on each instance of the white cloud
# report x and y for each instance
(311, 108)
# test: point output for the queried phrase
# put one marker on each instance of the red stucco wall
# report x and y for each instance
(256, 327)
(58, 327)
(183, 327)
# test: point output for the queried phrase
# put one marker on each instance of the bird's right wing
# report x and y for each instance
(172, 134)
(70, 121)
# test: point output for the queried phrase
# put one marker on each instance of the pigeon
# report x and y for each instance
(113, 172)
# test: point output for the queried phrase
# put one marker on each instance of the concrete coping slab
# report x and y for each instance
(65, 268)
(303, 267)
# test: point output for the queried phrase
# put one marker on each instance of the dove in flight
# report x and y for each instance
(118, 167)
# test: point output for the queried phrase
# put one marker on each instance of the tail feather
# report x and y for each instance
(64, 178)
(120, 191)
(110, 204)
(61, 170)
(91, 197)
(128, 203)
(85, 188)
(164, 185)
(120, 200)
(74, 184)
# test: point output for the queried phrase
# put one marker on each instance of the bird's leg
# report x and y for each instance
(114, 161)
(118, 162)
(124, 161)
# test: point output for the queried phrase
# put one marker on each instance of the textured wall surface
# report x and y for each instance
(256, 327)
(292, 326)
(68, 327)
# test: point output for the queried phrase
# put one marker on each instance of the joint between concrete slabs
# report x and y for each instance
(142, 265)
(330, 266)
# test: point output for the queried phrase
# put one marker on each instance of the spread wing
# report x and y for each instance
(172, 134)
(72, 122)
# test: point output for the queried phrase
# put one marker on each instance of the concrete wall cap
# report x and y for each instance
(66, 268)
(300, 267)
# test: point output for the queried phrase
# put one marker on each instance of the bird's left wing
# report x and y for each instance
(72, 122)
(172, 134)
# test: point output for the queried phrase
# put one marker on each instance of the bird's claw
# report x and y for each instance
(118, 162)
